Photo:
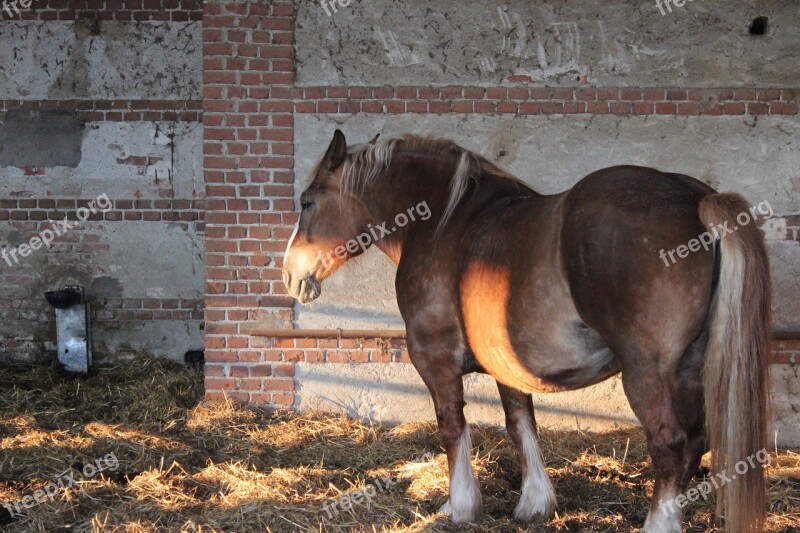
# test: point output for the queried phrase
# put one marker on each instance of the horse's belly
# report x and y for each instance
(544, 369)
(548, 350)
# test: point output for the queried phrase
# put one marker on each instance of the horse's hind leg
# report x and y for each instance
(670, 407)
(649, 388)
(689, 407)
(538, 496)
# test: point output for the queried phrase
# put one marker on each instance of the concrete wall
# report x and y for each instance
(569, 43)
(100, 60)
(391, 393)
(103, 102)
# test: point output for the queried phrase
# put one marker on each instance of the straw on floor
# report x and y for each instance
(184, 465)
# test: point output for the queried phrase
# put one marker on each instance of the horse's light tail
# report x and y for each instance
(736, 365)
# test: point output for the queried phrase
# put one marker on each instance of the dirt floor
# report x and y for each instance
(131, 448)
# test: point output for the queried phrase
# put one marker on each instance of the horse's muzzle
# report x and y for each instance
(304, 290)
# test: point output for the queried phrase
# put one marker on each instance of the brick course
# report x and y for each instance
(43, 210)
(541, 100)
(115, 110)
(123, 10)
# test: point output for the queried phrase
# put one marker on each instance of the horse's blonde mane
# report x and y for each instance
(367, 161)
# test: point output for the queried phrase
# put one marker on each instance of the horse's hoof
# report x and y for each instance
(460, 515)
(662, 523)
(529, 509)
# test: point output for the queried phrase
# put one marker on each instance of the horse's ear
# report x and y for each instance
(336, 151)
(374, 139)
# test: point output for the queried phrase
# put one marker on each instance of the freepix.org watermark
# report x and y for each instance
(62, 482)
(718, 480)
(56, 229)
(359, 497)
(329, 5)
(376, 233)
(661, 4)
(365, 495)
(718, 231)
(11, 8)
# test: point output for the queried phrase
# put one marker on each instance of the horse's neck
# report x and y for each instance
(410, 179)
(423, 181)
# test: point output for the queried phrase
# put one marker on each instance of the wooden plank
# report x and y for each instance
(329, 333)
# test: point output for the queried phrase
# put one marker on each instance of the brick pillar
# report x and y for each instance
(248, 69)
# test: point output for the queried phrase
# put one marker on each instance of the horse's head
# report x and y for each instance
(331, 219)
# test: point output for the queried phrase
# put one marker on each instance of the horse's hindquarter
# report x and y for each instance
(518, 314)
(616, 223)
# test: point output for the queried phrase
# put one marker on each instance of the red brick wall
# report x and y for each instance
(249, 103)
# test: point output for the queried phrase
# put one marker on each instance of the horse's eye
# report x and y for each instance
(305, 204)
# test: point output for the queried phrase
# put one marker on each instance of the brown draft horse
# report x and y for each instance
(551, 293)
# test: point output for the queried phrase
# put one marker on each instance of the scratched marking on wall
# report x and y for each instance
(554, 50)
(399, 55)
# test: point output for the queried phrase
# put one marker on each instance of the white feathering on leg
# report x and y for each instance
(538, 496)
(464, 504)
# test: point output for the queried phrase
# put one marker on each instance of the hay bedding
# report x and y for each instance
(186, 466)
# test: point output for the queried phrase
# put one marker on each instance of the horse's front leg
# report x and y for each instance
(538, 496)
(439, 368)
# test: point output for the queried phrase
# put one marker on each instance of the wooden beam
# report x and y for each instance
(390, 333)
(329, 333)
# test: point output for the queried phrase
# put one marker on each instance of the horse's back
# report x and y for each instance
(634, 187)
